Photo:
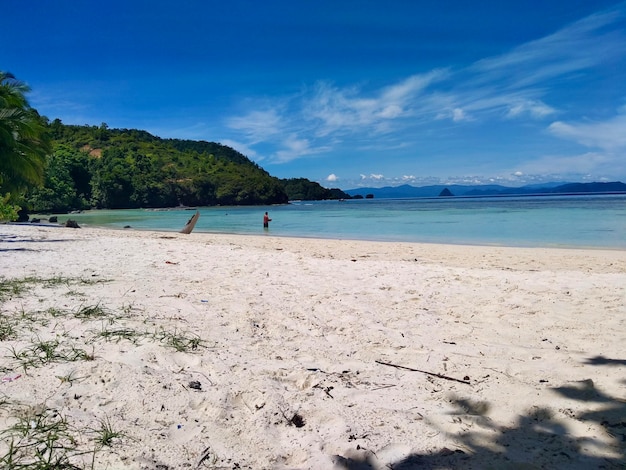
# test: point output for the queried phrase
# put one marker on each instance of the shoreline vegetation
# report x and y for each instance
(148, 349)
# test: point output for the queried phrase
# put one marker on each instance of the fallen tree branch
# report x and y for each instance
(466, 382)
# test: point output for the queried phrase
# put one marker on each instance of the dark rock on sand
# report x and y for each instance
(22, 216)
(72, 224)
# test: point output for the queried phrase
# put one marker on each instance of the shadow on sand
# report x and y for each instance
(16, 239)
(537, 440)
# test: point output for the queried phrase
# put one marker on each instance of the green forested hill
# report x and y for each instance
(98, 167)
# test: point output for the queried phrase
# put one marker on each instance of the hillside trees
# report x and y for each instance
(67, 182)
(100, 167)
(122, 168)
(306, 190)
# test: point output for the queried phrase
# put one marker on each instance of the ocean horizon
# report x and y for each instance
(577, 221)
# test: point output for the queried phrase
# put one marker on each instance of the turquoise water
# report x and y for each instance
(564, 221)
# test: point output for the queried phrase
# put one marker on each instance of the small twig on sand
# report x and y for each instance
(205, 455)
(425, 372)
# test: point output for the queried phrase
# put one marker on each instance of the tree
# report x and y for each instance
(67, 183)
(24, 142)
(306, 190)
(8, 211)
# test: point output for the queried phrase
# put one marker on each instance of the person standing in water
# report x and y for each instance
(266, 220)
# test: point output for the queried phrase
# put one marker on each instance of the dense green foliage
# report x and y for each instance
(94, 166)
(8, 211)
(304, 190)
(24, 145)
(23, 137)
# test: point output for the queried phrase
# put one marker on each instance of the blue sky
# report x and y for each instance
(347, 93)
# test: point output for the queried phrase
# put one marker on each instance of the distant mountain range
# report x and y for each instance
(488, 190)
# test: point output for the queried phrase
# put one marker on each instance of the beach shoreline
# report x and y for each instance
(517, 352)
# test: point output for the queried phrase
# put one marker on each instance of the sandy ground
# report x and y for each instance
(223, 351)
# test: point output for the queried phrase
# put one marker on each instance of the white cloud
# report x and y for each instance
(294, 147)
(534, 108)
(350, 110)
(332, 178)
(258, 126)
(458, 115)
(371, 177)
(609, 135)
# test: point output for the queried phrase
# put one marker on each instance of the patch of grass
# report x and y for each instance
(36, 317)
(51, 281)
(8, 328)
(127, 309)
(4, 401)
(42, 352)
(57, 312)
(74, 293)
(10, 288)
(69, 378)
(105, 434)
(119, 334)
(181, 342)
(91, 312)
(40, 440)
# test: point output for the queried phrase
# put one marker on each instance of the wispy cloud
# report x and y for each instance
(583, 44)
(349, 110)
(293, 147)
(258, 125)
(534, 108)
(511, 87)
(609, 135)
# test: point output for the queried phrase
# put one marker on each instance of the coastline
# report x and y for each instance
(294, 327)
(580, 222)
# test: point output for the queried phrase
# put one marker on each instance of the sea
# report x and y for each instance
(568, 221)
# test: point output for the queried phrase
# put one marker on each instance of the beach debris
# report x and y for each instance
(11, 378)
(296, 420)
(195, 385)
(432, 374)
(170, 262)
(325, 389)
(206, 453)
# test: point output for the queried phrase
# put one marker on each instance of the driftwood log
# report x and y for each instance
(191, 223)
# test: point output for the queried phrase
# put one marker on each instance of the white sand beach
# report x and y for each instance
(259, 352)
